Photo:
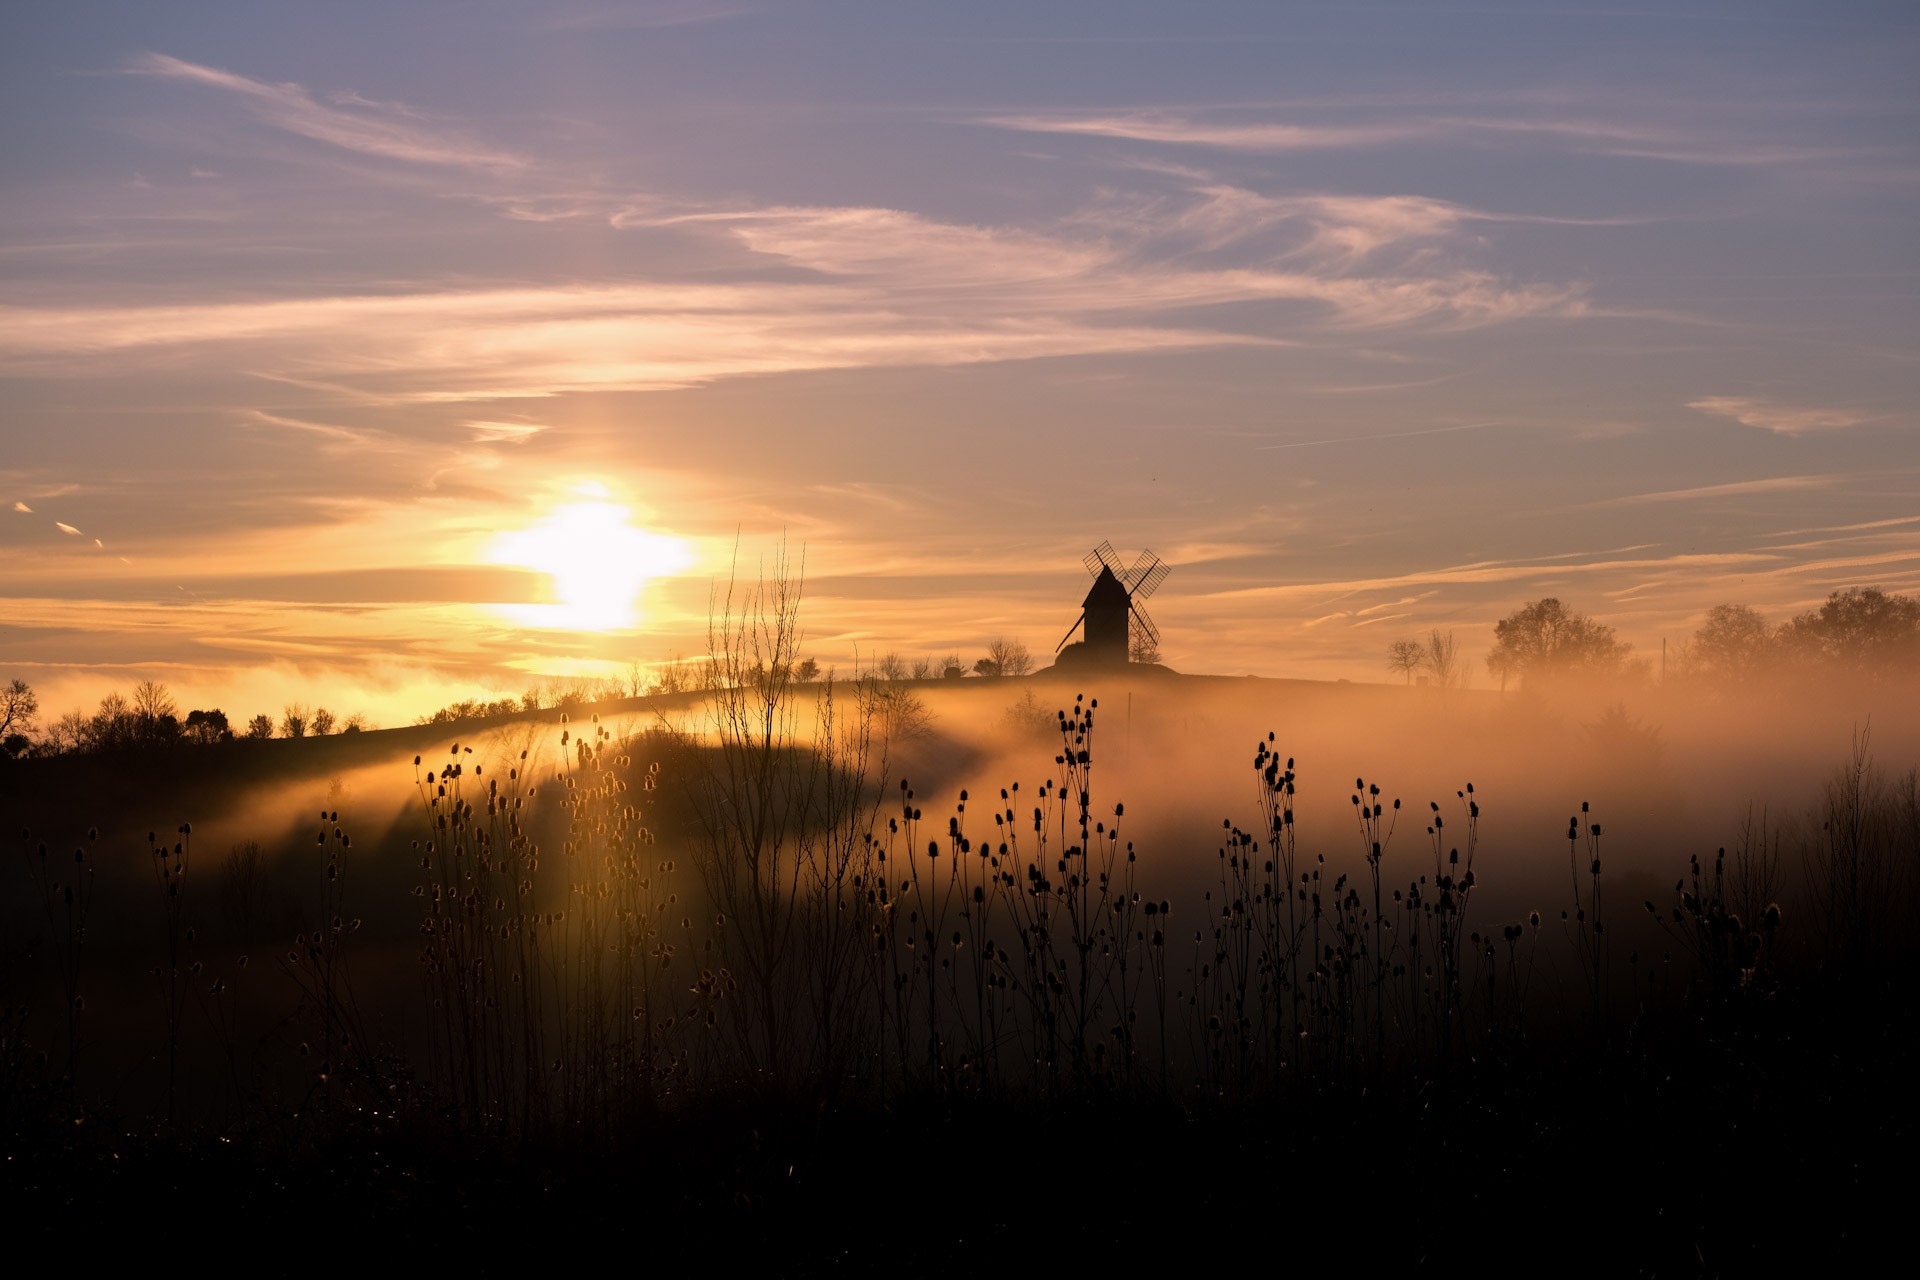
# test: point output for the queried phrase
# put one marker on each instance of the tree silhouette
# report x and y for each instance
(207, 726)
(1734, 642)
(1406, 656)
(1443, 660)
(1545, 638)
(260, 727)
(1009, 657)
(1863, 628)
(18, 706)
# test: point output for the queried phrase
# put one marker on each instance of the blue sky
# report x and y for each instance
(1369, 318)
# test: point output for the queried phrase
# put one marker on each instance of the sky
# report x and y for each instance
(379, 355)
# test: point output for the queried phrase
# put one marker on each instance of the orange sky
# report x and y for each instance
(326, 337)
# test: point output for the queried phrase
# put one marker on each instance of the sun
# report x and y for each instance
(597, 559)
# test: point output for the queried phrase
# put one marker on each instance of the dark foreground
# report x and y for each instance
(1775, 1142)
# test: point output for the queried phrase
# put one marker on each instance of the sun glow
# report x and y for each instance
(598, 561)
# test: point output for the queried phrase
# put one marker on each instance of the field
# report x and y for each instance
(746, 974)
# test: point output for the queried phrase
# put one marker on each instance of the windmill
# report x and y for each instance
(1113, 606)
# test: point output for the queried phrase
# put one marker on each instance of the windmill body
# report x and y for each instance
(1106, 611)
(1111, 613)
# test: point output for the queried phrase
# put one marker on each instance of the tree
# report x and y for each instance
(293, 720)
(208, 726)
(807, 672)
(986, 667)
(1443, 660)
(1141, 646)
(1733, 642)
(112, 726)
(18, 706)
(152, 701)
(1862, 628)
(260, 727)
(322, 722)
(950, 668)
(1545, 638)
(1407, 657)
(1009, 657)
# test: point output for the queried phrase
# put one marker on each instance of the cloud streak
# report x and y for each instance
(879, 288)
(351, 124)
(1782, 420)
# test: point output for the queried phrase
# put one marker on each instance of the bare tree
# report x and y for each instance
(322, 722)
(260, 727)
(1407, 657)
(1009, 657)
(293, 720)
(152, 701)
(18, 706)
(1443, 660)
(1141, 646)
(923, 669)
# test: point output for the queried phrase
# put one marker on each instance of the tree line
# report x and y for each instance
(146, 719)
(1863, 631)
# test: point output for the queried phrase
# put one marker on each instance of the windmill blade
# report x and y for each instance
(1150, 580)
(1141, 564)
(1101, 557)
(1070, 630)
(1146, 624)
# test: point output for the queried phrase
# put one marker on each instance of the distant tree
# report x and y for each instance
(355, 723)
(322, 722)
(260, 727)
(923, 669)
(69, 732)
(890, 666)
(986, 667)
(1009, 657)
(14, 744)
(152, 701)
(1861, 628)
(206, 727)
(807, 671)
(1443, 660)
(1407, 657)
(293, 720)
(1733, 642)
(1545, 638)
(899, 713)
(113, 726)
(1029, 717)
(1141, 646)
(951, 667)
(18, 706)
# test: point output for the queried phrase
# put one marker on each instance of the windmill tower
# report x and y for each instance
(1112, 608)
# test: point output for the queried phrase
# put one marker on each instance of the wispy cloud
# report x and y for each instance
(350, 122)
(1159, 126)
(504, 432)
(1772, 416)
(21, 506)
(1246, 128)
(1732, 489)
(882, 288)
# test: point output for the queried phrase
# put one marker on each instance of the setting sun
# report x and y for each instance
(598, 560)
